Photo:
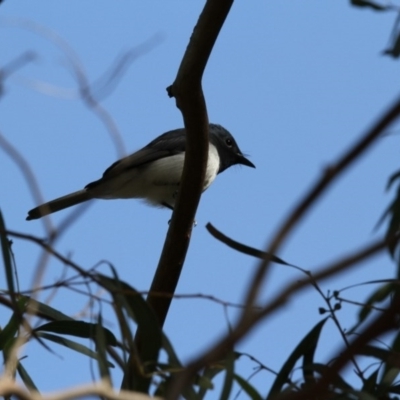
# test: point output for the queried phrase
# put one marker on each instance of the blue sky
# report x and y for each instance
(295, 82)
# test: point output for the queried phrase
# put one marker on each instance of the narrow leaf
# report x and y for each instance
(391, 367)
(394, 50)
(141, 312)
(174, 364)
(370, 383)
(394, 389)
(6, 251)
(309, 342)
(376, 352)
(101, 345)
(71, 345)
(251, 251)
(228, 381)
(45, 310)
(79, 329)
(336, 380)
(173, 359)
(369, 4)
(10, 330)
(205, 381)
(378, 296)
(148, 326)
(392, 179)
(23, 373)
(247, 388)
(389, 376)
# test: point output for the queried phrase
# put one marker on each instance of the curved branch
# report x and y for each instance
(188, 92)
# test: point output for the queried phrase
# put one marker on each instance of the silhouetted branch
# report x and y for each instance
(383, 323)
(242, 248)
(331, 174)
(188, 93)
(226, 343)
(187, 90)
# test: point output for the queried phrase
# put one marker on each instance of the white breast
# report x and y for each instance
(157, 182)
(212, 166)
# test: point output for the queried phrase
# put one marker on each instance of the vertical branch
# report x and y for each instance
(188, 92)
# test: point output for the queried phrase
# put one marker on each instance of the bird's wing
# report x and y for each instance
(166, 145)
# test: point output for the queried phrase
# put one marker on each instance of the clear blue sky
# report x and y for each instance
(295, 82)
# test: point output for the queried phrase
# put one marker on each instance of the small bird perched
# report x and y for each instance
(153, 173)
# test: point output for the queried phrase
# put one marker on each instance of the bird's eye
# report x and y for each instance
(229, 142)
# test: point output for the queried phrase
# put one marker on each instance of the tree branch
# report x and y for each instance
(188, 92)
(217, 351)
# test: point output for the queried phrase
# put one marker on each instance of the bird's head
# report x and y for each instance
(228, 150)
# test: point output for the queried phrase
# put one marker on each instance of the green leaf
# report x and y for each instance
(242, 248)
(394, 219)
(389, 376)
(378, 296)
(162, 388)
(174, 364)
(336, 380)
(229, 368)
(71, 345)
(395, 176)
(140, 312)
(394, 50)
(247, 388)
(306, 346)
(308, 358)
(370, 383)
(101, 347)
(391, 368)
(35, 307)
(205, 380)
(369, 4)
(79, 329)
(125, 328)
(27, 379)
(173, 359)
(9, 332)
(6, 251)
(377, 352)
(148, 327)
(395, 389)
(392, 212)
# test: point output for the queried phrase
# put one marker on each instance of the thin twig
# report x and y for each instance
(219, 349)
(331, 174)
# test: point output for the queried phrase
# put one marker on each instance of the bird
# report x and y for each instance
(152, 173)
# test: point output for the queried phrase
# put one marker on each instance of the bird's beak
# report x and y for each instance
(244, 161)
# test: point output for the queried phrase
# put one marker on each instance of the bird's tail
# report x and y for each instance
(59, 204)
